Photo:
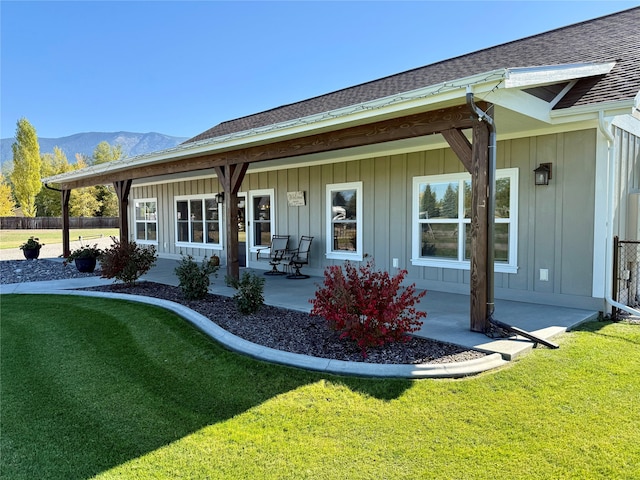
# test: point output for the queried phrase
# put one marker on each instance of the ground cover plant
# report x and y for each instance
(14, 238)
(114, 389)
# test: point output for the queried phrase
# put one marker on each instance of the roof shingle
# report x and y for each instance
(613, 37)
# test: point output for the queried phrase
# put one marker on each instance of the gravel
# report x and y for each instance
(278, 328)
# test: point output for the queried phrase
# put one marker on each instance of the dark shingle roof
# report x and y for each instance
(613, 37)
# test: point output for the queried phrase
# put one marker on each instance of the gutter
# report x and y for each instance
(482, 116)
(611, 170)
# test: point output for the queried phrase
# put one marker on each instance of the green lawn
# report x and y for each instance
(15, 238)
(113, 389)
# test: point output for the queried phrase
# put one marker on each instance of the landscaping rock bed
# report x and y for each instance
(278, 328)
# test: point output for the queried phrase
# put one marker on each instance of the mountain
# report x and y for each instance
(132, 143)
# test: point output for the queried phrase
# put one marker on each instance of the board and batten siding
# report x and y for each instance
(555, 229)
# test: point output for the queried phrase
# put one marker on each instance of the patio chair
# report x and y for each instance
(275, 253)
(299, 257)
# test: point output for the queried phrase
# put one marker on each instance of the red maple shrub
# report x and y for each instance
(367, 306)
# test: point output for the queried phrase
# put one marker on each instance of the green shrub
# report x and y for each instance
(127, 261)
(194, 277)
(250, 292)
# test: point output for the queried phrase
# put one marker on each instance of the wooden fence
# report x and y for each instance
(25, 223)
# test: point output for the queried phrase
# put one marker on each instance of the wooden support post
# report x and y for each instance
(122, 188)
(480, 268)
(66, 244)
(230, 178)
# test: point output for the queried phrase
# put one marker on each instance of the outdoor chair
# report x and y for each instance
(275, 253)
(299, 257)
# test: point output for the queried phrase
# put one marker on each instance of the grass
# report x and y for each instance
(15, 238)
(113, 389)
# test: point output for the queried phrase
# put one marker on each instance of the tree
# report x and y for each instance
(48, 202)
(7, 204)
(105, 153)
(83, 202)
(428, 204)
(449, 208)
(26, 167)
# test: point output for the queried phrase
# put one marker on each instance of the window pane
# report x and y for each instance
(197, 232)
(140, 231)
(467, 199)
(502, 197)
(182, 209)
(344, 236)
(151, 231)
(501, 242)
(343, 205)
(140, 210)
(213, 232)
(439, 240)
(183, 231)
(439, 200)
(261, 208)
(211, 207)
(196, 209)
(182, 212)
(262, 233)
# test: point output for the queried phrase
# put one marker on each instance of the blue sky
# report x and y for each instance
(180, 68)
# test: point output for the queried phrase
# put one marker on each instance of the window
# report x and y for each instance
(198, 222)
(146, 220)
(344, 221)
(442, 221)
(261, 218)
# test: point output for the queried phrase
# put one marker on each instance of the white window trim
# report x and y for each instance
(270, 192)
(503, 267)
(188, 198)
(330, 253)
(136, 221)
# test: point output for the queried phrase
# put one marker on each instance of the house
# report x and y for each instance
(423, 170)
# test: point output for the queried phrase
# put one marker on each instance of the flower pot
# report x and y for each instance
(31, 253)
(85, 265)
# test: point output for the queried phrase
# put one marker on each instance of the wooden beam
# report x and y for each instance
(460, 146)
(479, 228)
(421, 124)
(122, 188)
(230, 178)
(66, 244)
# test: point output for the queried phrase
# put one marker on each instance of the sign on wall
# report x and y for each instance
(296, 199)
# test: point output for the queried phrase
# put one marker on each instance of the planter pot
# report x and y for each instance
(31, 253)
(85, 265)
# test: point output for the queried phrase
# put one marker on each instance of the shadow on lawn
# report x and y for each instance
(90, 385)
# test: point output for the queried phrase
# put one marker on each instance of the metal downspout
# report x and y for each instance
(611, 170)
(482, 116)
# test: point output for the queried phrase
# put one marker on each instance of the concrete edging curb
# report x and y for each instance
(337, 367)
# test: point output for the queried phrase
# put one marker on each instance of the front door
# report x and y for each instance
(261, 219)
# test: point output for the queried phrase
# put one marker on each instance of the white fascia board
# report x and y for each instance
(591, 111)
(532, 76)
(523, 103)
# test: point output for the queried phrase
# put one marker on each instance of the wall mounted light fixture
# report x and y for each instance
(219, 197)
(542, 174)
